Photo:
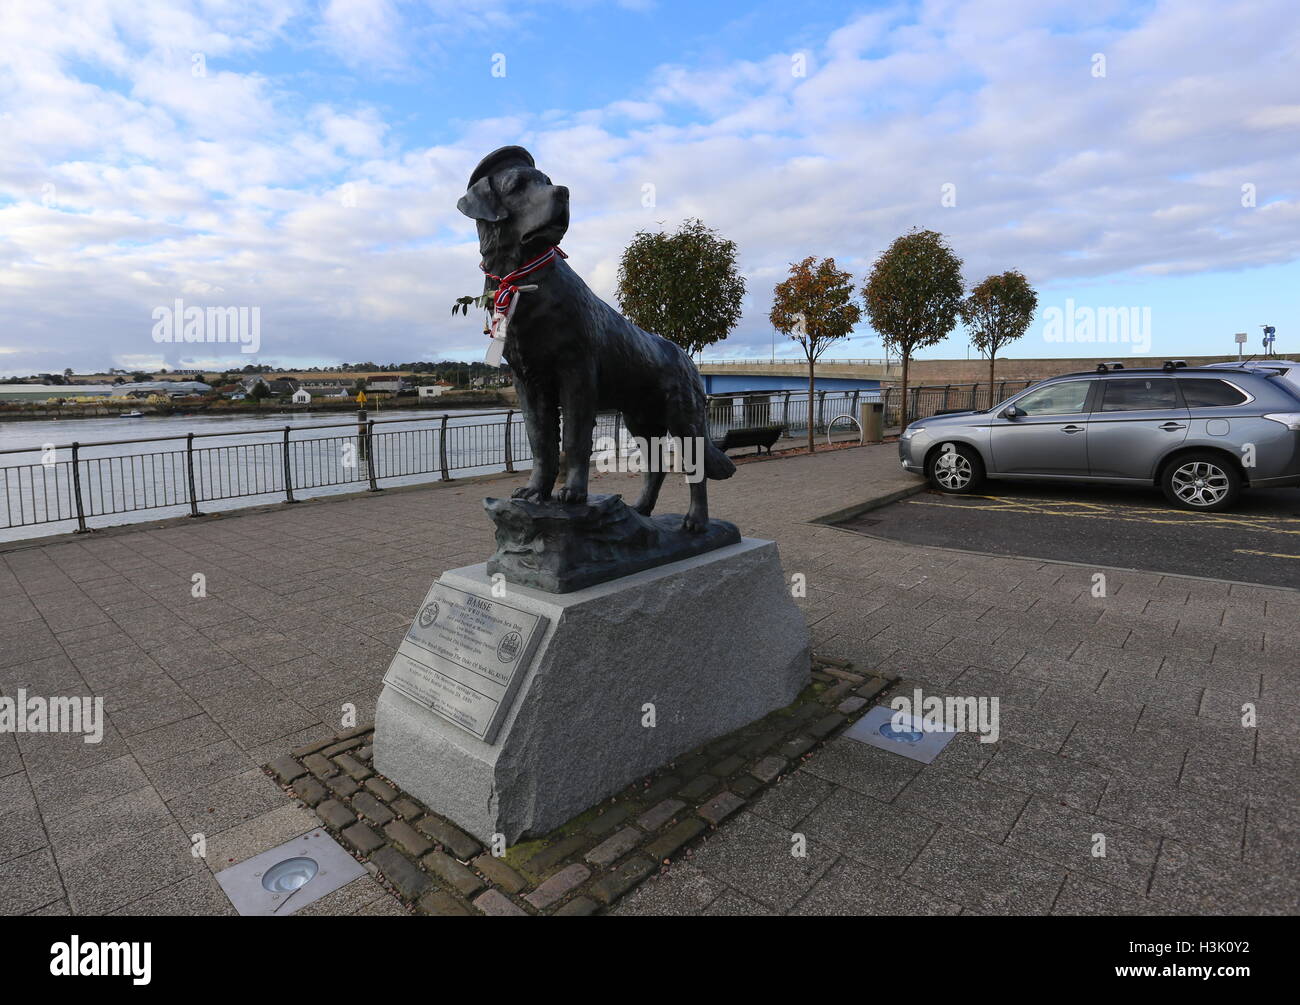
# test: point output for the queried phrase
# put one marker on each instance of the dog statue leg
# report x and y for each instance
(579, 423)
(542, 420)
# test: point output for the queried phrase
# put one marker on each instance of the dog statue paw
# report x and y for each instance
(571, 496)
(530, 493)
(692, 524)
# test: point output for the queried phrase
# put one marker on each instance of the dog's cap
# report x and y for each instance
(498, 159)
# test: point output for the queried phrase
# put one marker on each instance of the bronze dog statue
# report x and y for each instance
(572, 353)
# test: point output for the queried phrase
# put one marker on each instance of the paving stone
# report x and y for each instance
(407, 809)
(353, 768)
(797, 747)
(342, 747)
(720, 807)
(967, 803)
(371, 808)
(754, 857)
(985, 877)
(547, 858)
(608, 820)
(659, 814)
(1051, 776)
(315, 747)
(499, 873)
(660, 788)
(343, 786)
(309, 791)
(463, 879)
(578, 907)
(680, 891)
(321, 767)
(497, 904)
(727, 766)
(826, 725)
(874, 833)
(410, 840)
(614, 847)
(380, 789)
(441, 904)
(667, 844)
(699, 787)
(362, 838)
(554, 888)
(1067, 837)
(455, 840)
(850, 889)
(745, 786)
(768, 768)
(287, 768)
(335, 814)
(399, 870)
(613, 885)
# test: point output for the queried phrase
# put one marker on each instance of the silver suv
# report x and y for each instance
(1198, 433)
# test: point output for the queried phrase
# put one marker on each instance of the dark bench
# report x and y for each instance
(750, 436)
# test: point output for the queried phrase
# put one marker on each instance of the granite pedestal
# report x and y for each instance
(616, 680)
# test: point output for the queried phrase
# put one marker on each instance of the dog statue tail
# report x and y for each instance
(717, 465)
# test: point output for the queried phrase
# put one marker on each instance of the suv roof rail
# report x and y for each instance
(1174, 364)
(1103, 367)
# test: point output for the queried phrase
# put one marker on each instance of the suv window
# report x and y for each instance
(1206, 393)
(1067, 398)
(1138, 394)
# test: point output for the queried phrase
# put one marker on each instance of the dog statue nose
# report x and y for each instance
(562, 191)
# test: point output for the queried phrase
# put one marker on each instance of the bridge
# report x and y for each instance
(722, 375)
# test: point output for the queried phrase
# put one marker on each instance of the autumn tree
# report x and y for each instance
(913, 296)
(683, 286)
(998, 311)
(815, 307)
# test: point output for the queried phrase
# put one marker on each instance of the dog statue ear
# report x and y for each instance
(481, 203)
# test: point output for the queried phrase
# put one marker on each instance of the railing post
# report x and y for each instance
(76, 491)
(510, 447)
(288, 469)
(370, 454)
(946, 389)
(189, 473)
(442, 450)
(974, 394)
(362, 445)
(618, 439)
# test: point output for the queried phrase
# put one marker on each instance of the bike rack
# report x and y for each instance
(862, 433)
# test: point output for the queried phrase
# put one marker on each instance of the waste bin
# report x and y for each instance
(873, 420)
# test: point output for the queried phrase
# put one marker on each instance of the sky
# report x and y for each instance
(1138, 162)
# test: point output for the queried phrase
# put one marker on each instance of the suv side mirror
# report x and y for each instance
(1010, 412)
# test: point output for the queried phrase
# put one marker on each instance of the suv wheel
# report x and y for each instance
(955, 468)
(1204, 482)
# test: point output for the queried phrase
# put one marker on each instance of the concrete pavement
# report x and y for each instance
(1120, 714)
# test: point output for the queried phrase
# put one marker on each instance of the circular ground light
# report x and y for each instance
(289, 875)
(891, 732)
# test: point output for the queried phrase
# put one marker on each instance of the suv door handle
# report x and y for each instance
(1170, 427)
(1072, 429)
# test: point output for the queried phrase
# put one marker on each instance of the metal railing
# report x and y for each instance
(927, 399)
(794, 361)
(85, 481)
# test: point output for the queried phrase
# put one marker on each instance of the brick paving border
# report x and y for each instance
(589, 863)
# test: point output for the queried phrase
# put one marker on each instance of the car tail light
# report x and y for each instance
(1289, 419)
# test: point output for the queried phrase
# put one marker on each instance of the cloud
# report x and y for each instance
(130, 181)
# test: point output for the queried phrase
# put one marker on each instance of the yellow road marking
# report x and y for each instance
(1094, 511)
(1266, 554)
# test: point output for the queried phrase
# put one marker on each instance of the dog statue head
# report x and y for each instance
(520, 214)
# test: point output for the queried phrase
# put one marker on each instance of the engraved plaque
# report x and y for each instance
(464, 657)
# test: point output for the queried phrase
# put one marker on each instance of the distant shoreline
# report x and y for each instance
(445, 402)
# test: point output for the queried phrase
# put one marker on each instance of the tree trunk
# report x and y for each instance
(812, 370)
(992, 365)
(902, 404)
